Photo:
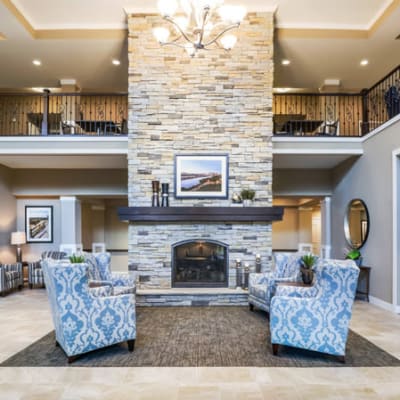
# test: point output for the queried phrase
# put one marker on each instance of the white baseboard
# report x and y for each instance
(385, 305)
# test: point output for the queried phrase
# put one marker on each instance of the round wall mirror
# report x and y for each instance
(356, 223)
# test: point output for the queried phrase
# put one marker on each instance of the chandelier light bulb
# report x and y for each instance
(183, 23)
(167, 8)
(161, 34)
(234, 14)
(228, 41)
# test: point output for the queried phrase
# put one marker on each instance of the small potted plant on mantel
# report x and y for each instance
(247, 196)
(355, 255)
(307, 273)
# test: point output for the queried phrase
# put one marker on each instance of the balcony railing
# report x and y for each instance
(338, 114)
(310, 114)
(59, 114)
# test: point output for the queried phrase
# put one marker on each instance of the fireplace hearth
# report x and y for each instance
(200, 263)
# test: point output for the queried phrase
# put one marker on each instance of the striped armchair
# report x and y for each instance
(35, 271)
(11, 277)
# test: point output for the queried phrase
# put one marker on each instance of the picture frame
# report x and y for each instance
(201, 176)
(39, 224)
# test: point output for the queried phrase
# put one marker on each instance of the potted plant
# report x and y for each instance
(76, 259)
(307, 263)
(247, 196)
(355, 255)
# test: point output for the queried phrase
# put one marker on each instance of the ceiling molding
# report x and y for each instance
(20, 18)
(81, 34)
(62, 33)
(383, 16)
(339, 32)
(290, 33)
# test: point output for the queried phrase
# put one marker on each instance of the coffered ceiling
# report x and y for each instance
(78, 39)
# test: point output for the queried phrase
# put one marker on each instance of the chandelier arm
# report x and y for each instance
(179, 29)
(173, 44)
(222, 33)
(206, 13)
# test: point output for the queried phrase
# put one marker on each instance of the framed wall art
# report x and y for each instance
(39, 224)
(201, 176)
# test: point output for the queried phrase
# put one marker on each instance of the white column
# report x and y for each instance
(71, 230)
(326, 240)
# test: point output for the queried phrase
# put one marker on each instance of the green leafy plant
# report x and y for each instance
(76, 259)
(308, 260)
(247, 194)
(353, 254)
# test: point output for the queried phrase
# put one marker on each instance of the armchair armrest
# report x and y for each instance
(258, 278)
(95, 284)
(122, 279)
(296, 291)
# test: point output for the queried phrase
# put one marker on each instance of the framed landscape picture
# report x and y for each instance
(39, 224)
(201, 176)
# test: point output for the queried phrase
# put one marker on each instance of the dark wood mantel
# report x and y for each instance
(200, 214)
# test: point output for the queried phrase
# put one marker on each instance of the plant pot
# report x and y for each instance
(307, 275)
(247, 202)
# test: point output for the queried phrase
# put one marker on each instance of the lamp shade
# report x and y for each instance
(18, 238)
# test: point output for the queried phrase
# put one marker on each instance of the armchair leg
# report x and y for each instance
(251, 307)
(341, 359)
(131, 345)
(72, 359)
(275, 348)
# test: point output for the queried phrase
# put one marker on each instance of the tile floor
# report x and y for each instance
(25, 317)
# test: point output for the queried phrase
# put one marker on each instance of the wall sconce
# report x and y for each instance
(18, 238)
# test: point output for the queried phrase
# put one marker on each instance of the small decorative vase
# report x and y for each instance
(307, 275)
(247, 202)
(155, 200)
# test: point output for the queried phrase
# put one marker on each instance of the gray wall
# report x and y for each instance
(302, 182)
(59, 182)
(8, 215)
(370, 179)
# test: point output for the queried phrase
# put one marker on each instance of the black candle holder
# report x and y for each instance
(165, 195)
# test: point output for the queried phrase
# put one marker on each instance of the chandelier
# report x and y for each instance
(199, 24)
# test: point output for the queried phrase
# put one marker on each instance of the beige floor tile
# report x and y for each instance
(27, 317)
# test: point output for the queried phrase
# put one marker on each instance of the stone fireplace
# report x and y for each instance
(199, 263)
(216, 103)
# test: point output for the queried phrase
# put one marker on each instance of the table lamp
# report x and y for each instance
(18, 238)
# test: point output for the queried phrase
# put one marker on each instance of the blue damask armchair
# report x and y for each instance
(84, 321)
(316, 318)
(262, 286)
(100, 274)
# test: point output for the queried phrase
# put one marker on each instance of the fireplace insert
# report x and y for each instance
(200, 263)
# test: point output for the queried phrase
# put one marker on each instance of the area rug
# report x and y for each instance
(201, 337)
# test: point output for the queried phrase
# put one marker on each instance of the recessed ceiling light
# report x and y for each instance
(285, 62)
(116, 62)
(36, 62)
(364, 62)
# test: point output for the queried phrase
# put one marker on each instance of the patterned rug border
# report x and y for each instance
(201, 337)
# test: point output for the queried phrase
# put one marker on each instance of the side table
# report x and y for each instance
(363, 289)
